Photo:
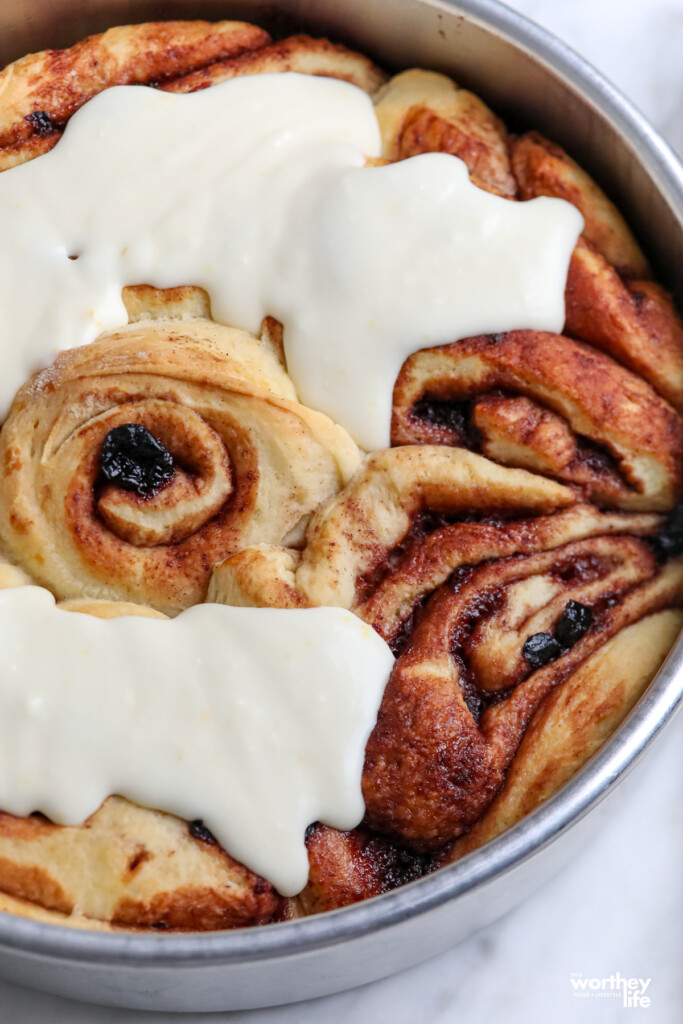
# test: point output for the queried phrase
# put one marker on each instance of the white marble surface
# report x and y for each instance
(619, 907)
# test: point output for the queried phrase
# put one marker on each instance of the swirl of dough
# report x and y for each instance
(249, 463)
(550, 404)
(577, 718)
(465, 689)
(351, 536)
(457, 562)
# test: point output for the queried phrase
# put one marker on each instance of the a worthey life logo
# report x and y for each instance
(633, 992)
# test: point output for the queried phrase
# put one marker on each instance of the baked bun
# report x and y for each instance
(250, 464)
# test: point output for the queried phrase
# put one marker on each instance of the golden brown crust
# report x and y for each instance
(57, 82)
(634, 321)
(584, 419)
(574, 722)
(346, 867)
(301, 54)
(131, 866)
(423, 112)
(542, 168)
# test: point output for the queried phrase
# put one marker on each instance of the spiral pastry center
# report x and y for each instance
(200, 485)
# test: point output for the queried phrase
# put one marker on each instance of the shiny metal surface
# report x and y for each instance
(537, 82)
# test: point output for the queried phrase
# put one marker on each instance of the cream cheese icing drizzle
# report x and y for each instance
(254, 720)
(256, 190)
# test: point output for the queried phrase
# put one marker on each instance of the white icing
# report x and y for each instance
(254, 720)
(256, 190)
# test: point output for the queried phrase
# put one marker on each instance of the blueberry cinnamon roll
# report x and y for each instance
(136, 464)
(487, 653)
(577, 717)
(512, 547)
(612, 304)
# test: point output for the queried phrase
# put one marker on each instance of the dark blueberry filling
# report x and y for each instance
(574, 622)
(541, 648)
(669, 540)
(41, 122)
(198, 830)
(134, 459)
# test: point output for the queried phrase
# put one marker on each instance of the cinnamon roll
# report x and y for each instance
(142, 868)
(486, 653)
(576, 719)
(241, 462)
(611, 300)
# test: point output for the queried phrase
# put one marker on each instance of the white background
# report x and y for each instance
(619, 907)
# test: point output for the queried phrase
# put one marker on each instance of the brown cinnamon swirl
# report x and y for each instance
(575, 720)
(485, 655)
(549, 404)
(247, 463)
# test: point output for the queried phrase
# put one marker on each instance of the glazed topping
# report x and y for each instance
(249, 722)
(541, 648)
(274, 213)
(132, 458)
(575, 621)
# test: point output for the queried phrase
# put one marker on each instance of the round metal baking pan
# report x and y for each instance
(534, 81)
